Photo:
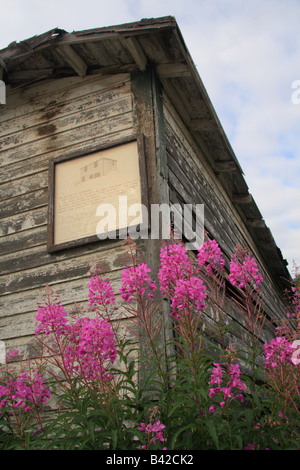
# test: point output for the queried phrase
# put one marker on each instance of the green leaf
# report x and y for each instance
(178, 432)
(91, 429)
(249, 417)
(114, 438)
(213, 432)
(175, 407)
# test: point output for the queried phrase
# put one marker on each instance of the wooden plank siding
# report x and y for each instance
(44, 121)
(55, 117)
(191, 180)
(68, 93)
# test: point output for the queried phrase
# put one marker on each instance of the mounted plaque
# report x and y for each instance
(96, 195)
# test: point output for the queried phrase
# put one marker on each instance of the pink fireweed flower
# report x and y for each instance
(4, 392)
(214, 391)
(154, 432)
(295, 301)
(210, 256)
(231, 383)
(217, 375)
(135, 281)
(52, 319)
(24, 390)
(278, 351)
(13, 353)
(244, 271)
(250, 446)
(91, 348)
(100, 292)
(234, 371)
(174, 265)
(187, 293)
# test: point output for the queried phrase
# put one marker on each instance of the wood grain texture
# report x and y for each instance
(42, 122)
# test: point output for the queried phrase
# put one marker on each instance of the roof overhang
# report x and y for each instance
(135, 47)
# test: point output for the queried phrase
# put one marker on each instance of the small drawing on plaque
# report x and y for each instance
(98, 168)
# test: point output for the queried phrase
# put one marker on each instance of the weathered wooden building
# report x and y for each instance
(72, 94)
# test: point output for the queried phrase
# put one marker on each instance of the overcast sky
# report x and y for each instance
(248, 56)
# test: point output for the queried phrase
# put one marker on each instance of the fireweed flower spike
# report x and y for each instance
(210, 256)
(231, 383)
(177, 280)
(86, 345)
(24, 390)
(12, 354)
(52, 319)
(295, 303)
(217, 375)
(278, 351)
(174, 265)
(187, 291)
(100, 292)
(154, 432)
(244, 271)
(135, 281)
(91, 348)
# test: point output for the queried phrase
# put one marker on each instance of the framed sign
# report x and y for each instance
(96, 195)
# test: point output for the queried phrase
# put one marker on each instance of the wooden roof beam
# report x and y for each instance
(30, 74)
(204, 124)
(73, 59)
(137, 52)
(173, 70)
(225, 166)
(256, 223)
(242, 198)
(113, 69)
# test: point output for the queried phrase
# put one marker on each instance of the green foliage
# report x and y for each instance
(164, 383)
